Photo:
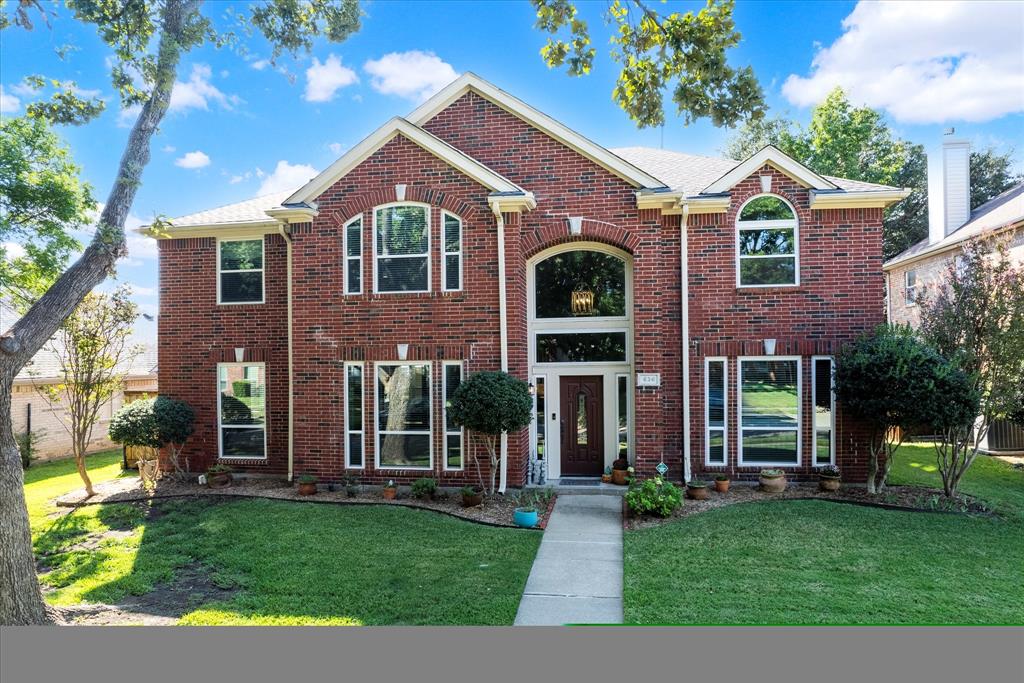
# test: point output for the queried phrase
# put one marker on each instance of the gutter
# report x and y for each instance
(684, 270)
(283, 229)
(503, 331)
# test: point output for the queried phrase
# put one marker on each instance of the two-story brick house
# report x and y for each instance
(323, 330)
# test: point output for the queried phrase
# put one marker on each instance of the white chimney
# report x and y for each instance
(956, 184)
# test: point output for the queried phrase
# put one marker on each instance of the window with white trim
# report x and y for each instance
(354, 256)
(715, 395)
(622, 414)
(242, 410)
(453, 433)
(823, 400)
(769, 411)
(767, 251)
(240, 271)
(910, 287)
(402, 248)
(403, 416)
(354, 443)
(452, 264)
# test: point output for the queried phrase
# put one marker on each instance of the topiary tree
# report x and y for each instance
(155, 423)
(893, 381)
(491, 403)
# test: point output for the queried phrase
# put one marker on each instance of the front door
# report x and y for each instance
(582, 426)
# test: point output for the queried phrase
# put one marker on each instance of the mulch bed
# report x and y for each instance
(496, 510)
(906, 498)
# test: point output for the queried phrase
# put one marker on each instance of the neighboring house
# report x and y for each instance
(926, 264)
(323, 330)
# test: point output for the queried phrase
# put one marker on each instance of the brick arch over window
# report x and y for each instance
(366, 201)
(552, 233)
(782, 186)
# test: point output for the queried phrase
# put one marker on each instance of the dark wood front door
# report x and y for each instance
(582, 425)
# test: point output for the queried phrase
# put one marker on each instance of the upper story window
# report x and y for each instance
(240, 271)
(767, 243)
(401, 239)
(910, 288)
(354, 256)
(452, 263)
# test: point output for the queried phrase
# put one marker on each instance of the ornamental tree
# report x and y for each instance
(490, 404)
(155, 423)
(894, 382)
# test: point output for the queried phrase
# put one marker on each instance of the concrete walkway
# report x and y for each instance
(577, 576)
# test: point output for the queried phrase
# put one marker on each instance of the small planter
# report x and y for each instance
(619, 477)
(472, 496)
(219, 480)
(306, 485)
(828, 483)
(697, 490)
(722, 485)
(606, 478)
(390, 493)
(773, 481)
(525, 517)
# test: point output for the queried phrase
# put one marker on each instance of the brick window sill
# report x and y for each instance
(769, 290)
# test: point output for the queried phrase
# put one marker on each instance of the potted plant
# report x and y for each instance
(307, 484)
(526, 514)
(390, 490)
(620, 471)
(472, 496)
(424, 488)
(696, 489)
(722, 483)
(772, 481)
(219, 476)
(351, 486)
(828, 478)
(606, 478)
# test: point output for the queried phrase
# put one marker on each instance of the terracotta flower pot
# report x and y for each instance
(470, 500)
(619, 477)
(828, 483)
(722, 485)
(307, 489)
(606, 478)
(697, 492)
(389, 494)
(219, 480)
(773, 484)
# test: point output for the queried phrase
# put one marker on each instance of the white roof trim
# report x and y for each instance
(593, 151)
(399, 126)
(776, 158)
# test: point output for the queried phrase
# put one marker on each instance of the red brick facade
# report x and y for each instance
(840, 295)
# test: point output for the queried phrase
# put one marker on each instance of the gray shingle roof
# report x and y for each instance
(45, 365)
(250, 211)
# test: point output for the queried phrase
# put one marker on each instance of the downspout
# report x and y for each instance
(283, 229)
(503, 332)
(684, 270)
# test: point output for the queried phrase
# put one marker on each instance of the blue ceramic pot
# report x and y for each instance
(525, 518)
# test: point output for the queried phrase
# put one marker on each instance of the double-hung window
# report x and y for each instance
(910, 287)
(715, 395)
(242, 410)
(452, 263)
(403, 416)
(354, 256)
(240, 271)
(354, 415)
(769, 411)
(767, 249)
(823, 400)
(402, 248)
(453, 435)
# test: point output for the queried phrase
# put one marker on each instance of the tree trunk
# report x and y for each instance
(80, 464)
(21, 602)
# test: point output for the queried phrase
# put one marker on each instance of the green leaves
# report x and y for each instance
(654, 51)
(292, 25)
(492, 403)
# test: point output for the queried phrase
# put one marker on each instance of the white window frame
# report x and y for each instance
(222, 427)
(799, 411)
(346, 258)
(624, 376)
(910, 290)
(461, 432)
(627, 353)
(793, 224)
(445, 253)
(376, 424)
(362, 427)
(262, 271)
(832, 411)
(725, 412)
(538, 379)
(425, 255)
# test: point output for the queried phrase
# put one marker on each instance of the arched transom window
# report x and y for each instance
(767, 234)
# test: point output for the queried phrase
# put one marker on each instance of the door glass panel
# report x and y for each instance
(585, 347)
(581, 419)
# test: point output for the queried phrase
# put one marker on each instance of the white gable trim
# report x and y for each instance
(777, 159)
(591, 150)
(399, 126)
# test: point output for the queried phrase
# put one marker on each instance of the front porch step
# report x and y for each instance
(582, 487)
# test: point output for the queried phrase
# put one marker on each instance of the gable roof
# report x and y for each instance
(1002, 211)
(470, 82)
(776, 158)
(377, 139)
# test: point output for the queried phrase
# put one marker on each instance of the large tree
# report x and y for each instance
(148, 38)
(656, 52)
(858, 143)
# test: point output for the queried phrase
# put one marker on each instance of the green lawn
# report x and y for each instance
(813, 562)
(283, 562)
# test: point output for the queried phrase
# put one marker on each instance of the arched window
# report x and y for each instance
(767, 250)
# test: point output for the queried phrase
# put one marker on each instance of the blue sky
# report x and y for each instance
(236, 129)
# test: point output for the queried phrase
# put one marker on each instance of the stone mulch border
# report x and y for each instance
(496, 511)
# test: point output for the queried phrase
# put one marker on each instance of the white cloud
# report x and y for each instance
(286, 177)
(414, 75)
(198, 92)
(196, 159)
(169, 149)
(336, 147)
(24, 89)
(139, 290)
(8, 102)
(235, 179)
(324, 80)
(260, 64)
(924, 62)
(12, 250)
